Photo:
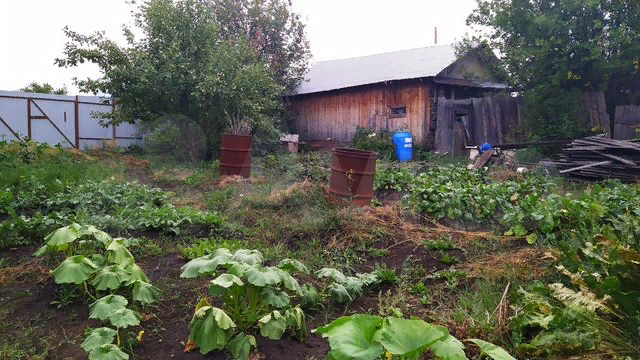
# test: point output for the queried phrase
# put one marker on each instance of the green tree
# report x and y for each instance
(274, 31)
(180, 70)
(555, 50)
(44, 88)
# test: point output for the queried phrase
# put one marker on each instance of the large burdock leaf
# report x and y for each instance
(107, 352)
(98, 234)
(206, 264)
(227, 280)
(339, 293)
(123, 318)
(296, 320)
(74, 270)
(249, 257)
(98, 337)
(336, 275)
(292, 265)
(449, 348)
(493, 351)
(144, 292)
(223, 282)
(351, 337)
(290, 282)
(275, 298)
(273, 325)
(238, 269)
(240, 346)
(117, 253)
(210, 328)
(136, 272)
(408, 338)
(60, 239)
(262, 277)
(110, 277)
(105, 306)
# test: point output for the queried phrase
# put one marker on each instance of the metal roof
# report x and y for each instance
(397, 65)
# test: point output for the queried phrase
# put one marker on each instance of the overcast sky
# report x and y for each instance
(31, 31)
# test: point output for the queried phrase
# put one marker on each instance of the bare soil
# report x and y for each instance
(27, 305)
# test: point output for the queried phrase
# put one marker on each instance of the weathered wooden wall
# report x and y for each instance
(595, 108)
(626, 122)
(495, 120)
(336, 114)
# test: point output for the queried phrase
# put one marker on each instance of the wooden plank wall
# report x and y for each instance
(595, 107)
(495, 120)
(336, 114)
(626, 122)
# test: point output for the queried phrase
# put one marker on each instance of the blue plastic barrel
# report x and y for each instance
(404, 146)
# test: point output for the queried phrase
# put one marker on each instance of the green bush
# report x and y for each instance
(381, 142)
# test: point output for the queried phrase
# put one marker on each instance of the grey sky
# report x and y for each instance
(31, 31)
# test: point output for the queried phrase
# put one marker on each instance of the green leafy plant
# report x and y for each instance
(109, 271)
(447, 259)
(367, 337)
(344, 288)
(380, 142)
(252, 294)
(461, 194)
(441, 243)
(375, 252)
(451, 275)
(385, 275)
(397, 179)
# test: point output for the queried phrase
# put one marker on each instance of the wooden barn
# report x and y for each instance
(396, 90)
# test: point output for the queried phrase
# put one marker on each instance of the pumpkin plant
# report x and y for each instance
(105, 275)
(254, 296)
(368, 337)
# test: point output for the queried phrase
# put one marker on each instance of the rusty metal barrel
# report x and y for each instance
(235, 155)
(352, 175)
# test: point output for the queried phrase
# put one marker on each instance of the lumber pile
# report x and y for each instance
(599, 158)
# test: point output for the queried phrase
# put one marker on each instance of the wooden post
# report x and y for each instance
(29, 118)
(77, 122)
(113, 108)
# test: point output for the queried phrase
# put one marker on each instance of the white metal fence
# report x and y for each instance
(60, 119)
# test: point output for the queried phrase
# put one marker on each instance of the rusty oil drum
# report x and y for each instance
(352, 175)
(235, 155)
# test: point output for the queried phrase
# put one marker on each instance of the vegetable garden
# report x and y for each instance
(111, 254)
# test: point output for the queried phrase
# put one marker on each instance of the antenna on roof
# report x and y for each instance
(435, 35)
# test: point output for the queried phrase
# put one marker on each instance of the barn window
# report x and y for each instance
(399, 111)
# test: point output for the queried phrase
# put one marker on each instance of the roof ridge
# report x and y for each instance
(384, 53)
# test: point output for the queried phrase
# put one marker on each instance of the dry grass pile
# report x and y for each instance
(136, 163)
(501, 174)
(227, 180)
(172, 175)
(527, 263)
(372, 223)
(32, 271)
(278, 197)
(392, 222)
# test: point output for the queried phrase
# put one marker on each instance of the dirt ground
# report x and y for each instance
(26, 303)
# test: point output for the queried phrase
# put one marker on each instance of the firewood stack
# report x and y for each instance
(598, 158)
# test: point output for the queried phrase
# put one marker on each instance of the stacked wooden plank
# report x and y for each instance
(599, 158)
